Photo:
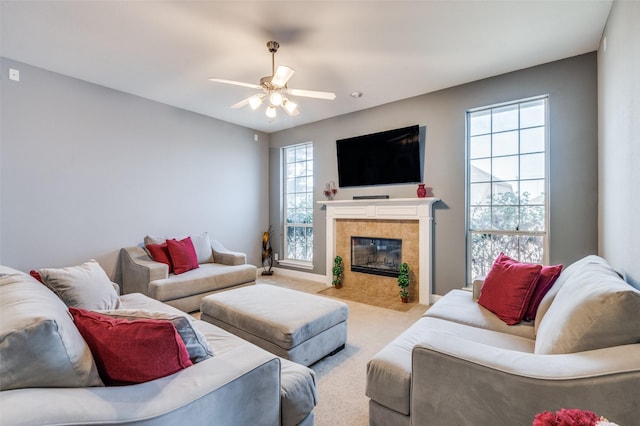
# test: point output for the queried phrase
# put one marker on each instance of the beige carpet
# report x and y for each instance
(341, 377)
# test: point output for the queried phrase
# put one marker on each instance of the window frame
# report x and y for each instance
(469, 231)
(285, 260)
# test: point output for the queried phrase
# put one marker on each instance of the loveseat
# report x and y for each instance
(462, 365)
(218, 269)
(48, 374)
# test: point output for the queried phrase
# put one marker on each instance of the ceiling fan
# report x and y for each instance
(273, 88)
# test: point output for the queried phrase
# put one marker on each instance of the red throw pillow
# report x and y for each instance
(160, 253)
(183, 255)
(548, 276)
(128, 352)
(35, 274)
(508, 288)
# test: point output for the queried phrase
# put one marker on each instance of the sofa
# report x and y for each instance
(50, 375)
(218, 269)
(460, 364)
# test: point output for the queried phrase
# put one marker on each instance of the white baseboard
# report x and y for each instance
(296, 274)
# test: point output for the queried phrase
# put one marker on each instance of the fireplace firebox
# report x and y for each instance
(378, 256)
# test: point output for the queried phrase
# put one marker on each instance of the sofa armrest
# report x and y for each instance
(138, 270)
(227, 257)
(459, 381)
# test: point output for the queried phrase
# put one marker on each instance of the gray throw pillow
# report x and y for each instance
(85, 286)
(194, 340)
(40, 346)
(594, 309)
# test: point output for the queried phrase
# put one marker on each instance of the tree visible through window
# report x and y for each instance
(298, 202)
(506, 181)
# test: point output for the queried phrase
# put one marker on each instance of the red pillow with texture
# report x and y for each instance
(548, 276)
(183, 255)
(508, 288)
(35, 274)
(128, 352)
(160, 253)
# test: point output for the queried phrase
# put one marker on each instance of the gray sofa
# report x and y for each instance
(44, 358)
(461, 365)
(219, 269)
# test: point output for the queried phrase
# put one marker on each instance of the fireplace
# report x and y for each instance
(378, 256)
(412, 216)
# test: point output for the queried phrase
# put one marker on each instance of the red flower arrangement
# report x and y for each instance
(570, 417)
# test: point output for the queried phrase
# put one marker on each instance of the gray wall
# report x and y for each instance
(571, 85)
(619, 140)
(86, 170)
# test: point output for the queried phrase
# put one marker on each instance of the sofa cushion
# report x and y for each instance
(548, 276)
(39, 344)
(508, 288)
(201, 243)
(458, 306)
(160, 253)
(194, 340)
(594, 309)
(207, 278)
(85, 286)
(183, 255)
(564, 276)
(129, 352)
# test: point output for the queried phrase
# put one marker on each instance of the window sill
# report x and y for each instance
(296, 264)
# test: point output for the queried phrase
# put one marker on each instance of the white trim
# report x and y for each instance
(419, 209)
(293, 263)
(296, 274)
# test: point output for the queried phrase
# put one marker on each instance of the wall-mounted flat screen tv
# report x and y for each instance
(384, 158)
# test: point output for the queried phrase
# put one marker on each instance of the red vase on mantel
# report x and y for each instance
(422, 191)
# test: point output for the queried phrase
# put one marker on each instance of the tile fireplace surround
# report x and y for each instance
(403, 210)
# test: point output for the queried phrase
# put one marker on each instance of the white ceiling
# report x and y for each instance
(388, 50)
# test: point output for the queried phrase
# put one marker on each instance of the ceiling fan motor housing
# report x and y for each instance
(273, 46)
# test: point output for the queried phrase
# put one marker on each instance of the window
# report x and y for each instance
(298, 205)
(507, 183)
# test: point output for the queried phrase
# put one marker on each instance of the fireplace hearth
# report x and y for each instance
(377, 256)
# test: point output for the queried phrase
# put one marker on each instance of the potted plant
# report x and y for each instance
(337, 272)
(403, 282)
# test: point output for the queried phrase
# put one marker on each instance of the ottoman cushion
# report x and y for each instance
(282, 316)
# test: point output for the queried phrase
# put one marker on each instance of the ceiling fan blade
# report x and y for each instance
(282, 76)
(312, 94)
(241, 103)
(246, 101)
(236, 83)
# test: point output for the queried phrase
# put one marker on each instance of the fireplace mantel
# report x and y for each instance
(419, 209)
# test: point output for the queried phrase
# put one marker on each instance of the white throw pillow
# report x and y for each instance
(85, 286)
(194, 340)
(201, 243)
(40, 346)
(593, 309)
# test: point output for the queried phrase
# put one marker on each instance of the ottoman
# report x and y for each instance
(297, 326)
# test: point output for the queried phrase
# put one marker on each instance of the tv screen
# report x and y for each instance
(384, 158)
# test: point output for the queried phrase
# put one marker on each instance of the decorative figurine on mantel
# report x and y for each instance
(424, 191)
(267, 252)
(330, 190)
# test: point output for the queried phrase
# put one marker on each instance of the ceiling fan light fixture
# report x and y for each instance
(282, 76)
(255, 102)
(276, 99)
(291, 107)
(270, 112)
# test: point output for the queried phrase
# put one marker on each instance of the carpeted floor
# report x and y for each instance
(341, 377)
